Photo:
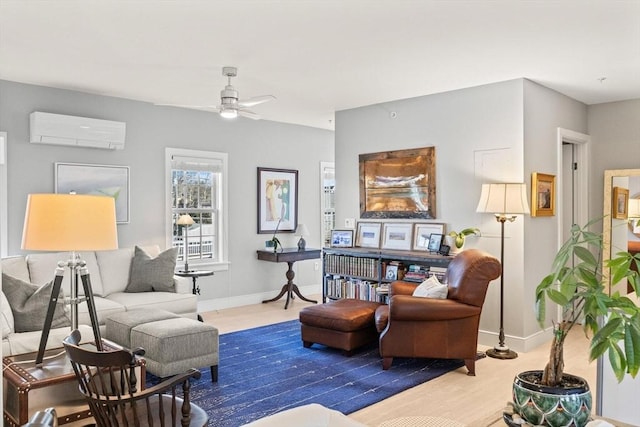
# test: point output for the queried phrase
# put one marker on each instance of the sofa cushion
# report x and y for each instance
(6, 316)
(27, 342)
(104, 308)
(152, 274)
(29, 304)
(42, 268)
(16, 266)
(115, 267)
(169, 301)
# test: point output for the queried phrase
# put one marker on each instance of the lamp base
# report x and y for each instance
(302, 244)
(501, 353)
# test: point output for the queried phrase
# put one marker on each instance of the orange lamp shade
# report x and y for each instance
(70, 222)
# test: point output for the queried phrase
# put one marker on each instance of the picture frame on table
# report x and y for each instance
(435, 241)
(543, 194)
(341, 238)
(422, 232)
(620, 203)
(104, 180)
(397, 236)
(368, 235)
(277, 200)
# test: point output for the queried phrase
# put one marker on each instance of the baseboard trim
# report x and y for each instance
(241, 300)
(522, 344)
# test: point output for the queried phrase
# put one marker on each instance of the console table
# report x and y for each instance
(290, 256)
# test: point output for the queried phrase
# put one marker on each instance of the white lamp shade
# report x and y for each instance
(302, 230)
(503, 198)
(185, 220)
(70, 222)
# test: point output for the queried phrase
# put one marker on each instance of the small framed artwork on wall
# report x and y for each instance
(368, 235)
(543, 194)
(341, 238)
(620, 202)
(422, 232)
(397, 236)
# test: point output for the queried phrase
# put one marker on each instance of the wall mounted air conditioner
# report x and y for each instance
(58, 129)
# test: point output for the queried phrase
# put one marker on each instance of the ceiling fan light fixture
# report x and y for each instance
(228, 113)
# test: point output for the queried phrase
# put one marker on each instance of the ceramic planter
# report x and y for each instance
(552, 406)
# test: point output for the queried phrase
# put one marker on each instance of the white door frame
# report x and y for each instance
(581, 141)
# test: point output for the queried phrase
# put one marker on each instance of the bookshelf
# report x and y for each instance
(364, 273)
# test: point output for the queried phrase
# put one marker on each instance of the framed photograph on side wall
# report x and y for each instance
(102, 180)
(341, 238)
(620, 203)
(277, 200)
(368, 235)
(543, 194)
(422, 232)
(397, 236)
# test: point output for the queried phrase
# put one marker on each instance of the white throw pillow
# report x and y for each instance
(431, 288)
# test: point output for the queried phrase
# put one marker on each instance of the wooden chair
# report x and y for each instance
(108, 382)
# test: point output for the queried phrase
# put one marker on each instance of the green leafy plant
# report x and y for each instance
(458, 237)
(577, 285)
(276, 243)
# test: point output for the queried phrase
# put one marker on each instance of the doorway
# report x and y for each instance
(573, 181)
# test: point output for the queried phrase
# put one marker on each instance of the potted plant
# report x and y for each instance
(457, 238)
(576, 284)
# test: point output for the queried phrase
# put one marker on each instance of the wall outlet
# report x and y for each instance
(316, 266)
(350, 223)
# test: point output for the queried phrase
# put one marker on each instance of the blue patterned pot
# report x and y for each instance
(552, 406)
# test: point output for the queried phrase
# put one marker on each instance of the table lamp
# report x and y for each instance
(504, 200)
(70, 222)
(302, 231)
(185, 220)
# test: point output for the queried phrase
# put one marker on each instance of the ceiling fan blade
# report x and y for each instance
(256, 100)
(208, 107)
(249, 114)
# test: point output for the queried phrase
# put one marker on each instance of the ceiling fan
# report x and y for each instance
(230, 106)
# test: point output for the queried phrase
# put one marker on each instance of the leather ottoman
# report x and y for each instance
(345, 324)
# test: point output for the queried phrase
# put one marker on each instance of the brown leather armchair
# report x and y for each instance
(438, 328)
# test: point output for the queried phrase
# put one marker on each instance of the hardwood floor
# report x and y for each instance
(474, 401)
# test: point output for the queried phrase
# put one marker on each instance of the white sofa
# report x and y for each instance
(109, 272)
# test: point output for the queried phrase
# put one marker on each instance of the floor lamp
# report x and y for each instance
(70, 222)
(504, 200)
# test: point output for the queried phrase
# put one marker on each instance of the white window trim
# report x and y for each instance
(223, 219)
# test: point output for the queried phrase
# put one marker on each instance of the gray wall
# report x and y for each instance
(497, 132)
(150, 129)
(615, 135)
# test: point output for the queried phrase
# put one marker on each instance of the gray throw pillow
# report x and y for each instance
(152, 274)
(29, 304)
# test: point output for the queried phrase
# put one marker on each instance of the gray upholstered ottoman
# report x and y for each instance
(174, 345)
(118, 326)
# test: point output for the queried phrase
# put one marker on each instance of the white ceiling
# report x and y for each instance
(320, 56)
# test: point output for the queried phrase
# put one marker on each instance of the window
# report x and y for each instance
(197, 186)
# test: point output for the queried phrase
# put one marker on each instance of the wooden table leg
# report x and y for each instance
(289, 288)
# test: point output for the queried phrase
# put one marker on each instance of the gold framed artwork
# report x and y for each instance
(543, 194)
(398, 184)
(620, 203)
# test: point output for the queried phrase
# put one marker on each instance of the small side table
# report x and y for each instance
(194, 274)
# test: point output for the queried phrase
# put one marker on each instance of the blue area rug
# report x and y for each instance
(266, 370)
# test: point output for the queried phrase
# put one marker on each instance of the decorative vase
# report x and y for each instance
(568, 405)
(451, 242)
